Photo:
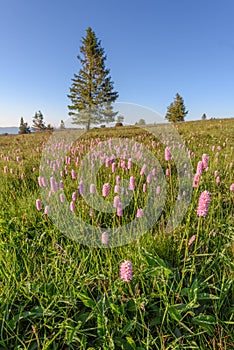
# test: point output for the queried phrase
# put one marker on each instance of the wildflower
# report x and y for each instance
(191, 240)
(144, 187)
(139, 213)
(47, 209)
(74, 196)
(113, 167)
(61, 185)
(203, 204)
(167, 154)
(53, 185)
(143, 169)
(105, 189)
(158, 189)
(116, 201)
(126, 271)
(73, 174)
(205, 159)
(38, 204)
(232, 187)
(217, 179)
(149, 178)
(129, 163)
(216, 173)
(119, 209)
(105, 238)
(62, 198)
(116, 189)
(72, 206)
(132, 184)
(81, 187)
(195, 180)
(199, 168)
(92, 188)
(167, 172)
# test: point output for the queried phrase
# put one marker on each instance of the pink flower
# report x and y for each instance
(158, 190)
(38, 204)
(47, 209)
(116, 189)
(105, 189)
(205, 159)
(129, 163)
(113, 167)
(167, 154)
(232, 187)
(62, 198)
(149, 178)
(119, 209)
(105, 238)
(195, 180)
(216, 173)
(199, 168)
(116, 201)
(73, 174)
(53, 185)
(92, 188)
(143, 169)
(144, 187)
(191, 240)
(167, 172)
(132, 184)
(126, 271)
(74, 196)
(203, 204)
(72, 206)
(139, 213)
(81, 188)
(217, 179)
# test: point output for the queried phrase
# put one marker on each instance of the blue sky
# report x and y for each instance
(155, 48)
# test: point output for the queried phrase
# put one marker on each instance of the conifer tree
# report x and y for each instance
(176, 112)
(91, 92)
(62, 125)
(23, 128)
(204, 116)
(38, 122)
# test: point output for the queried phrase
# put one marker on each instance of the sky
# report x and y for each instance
(154, 48)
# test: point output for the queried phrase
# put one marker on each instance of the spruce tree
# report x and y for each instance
(23, 128)
(176, 112)
(204, 116)
(38, 122)
(92, 92)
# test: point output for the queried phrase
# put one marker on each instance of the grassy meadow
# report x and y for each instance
(58, 294)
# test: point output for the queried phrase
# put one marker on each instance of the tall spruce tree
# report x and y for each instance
(176, 112)
(92, 92)
(23, 128)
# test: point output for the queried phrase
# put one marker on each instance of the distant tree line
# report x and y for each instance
(38, 124)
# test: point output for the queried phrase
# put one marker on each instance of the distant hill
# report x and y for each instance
(9, 130)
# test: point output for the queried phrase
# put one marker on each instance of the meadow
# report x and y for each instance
(175, 289)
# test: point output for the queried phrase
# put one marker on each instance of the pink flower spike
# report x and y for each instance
(38, 204)
(105, 238)
(47, 209)
(72, 206)
(232, 187)
(167, 154)
(191, 240)
(105, 189)
(203, 204)
(116, 201)
(92, 188)
(126, 271)
(119, 209)
(139, 213)
(217, 179)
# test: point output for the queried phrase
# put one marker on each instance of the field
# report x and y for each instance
(62, 289)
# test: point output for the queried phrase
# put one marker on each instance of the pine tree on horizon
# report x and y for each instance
(38, 122)
(176, 112)
(24, 128)
(92, 91)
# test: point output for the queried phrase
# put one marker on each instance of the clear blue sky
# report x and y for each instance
(155, 48)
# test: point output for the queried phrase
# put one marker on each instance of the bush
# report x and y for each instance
(119, 124)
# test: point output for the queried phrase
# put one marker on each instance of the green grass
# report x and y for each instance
(58, 294)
